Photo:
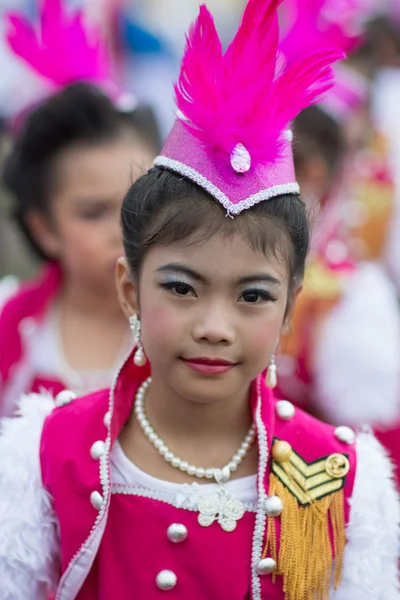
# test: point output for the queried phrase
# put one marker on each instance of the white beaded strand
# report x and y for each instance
(220, 475)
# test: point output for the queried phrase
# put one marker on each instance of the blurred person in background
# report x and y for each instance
(341, 358)
(18, 88)
(383, 52)
(73, 157)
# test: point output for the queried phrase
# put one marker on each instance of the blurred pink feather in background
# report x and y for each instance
(62, 48)
(335, 23)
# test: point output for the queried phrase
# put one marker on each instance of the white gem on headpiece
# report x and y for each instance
(240, 159)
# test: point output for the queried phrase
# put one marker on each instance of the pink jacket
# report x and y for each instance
(19, 318)
(114, 542)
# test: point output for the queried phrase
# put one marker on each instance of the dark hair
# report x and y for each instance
(318, 134)
(163, 207)
(79, 114)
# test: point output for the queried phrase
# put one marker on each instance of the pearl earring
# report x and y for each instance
(139, 358)
(272, 377)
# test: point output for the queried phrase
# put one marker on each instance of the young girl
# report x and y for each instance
(188, 478)
(68, 171)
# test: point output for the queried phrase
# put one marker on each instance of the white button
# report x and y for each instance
(65, 397)
(97, 450)
(285, 410)
(273, 506)
(177, 533)
(97, 500)
(107, 419)
(266, 566)
(345, 434)
(166, 580)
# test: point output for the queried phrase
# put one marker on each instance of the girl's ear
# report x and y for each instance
(43, 233)
(127, 289)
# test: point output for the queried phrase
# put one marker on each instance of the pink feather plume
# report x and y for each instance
(247, 95)
(63, 49)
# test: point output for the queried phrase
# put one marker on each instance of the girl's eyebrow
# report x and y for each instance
(180, 268)
(92, 200)
(260, 277)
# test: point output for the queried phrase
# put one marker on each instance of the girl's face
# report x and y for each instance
(82, 229)
(211, 314)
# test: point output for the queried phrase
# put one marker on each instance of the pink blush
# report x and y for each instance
(264, 337)
(160, 323)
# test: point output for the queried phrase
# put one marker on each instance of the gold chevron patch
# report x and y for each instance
(309, 482)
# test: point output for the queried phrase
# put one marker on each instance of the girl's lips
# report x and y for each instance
(209, 366)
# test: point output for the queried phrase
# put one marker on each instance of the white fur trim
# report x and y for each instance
(29, 546)
(370, 568)
(357, 361)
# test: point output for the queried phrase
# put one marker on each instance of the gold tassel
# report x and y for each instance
(336, 513)
(305, 557)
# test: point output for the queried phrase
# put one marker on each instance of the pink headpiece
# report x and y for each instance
(63, 49)
(232, 134)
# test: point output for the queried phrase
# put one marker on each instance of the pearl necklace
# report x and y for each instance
(221, 505)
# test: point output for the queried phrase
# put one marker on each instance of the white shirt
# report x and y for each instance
(185, 495)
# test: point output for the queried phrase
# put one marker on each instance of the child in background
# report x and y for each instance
(72, 160)
(187, 477)
(343, 349)
(343, 346)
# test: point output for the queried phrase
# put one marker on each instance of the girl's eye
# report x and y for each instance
(256, 297)
(93, 214)
(179, 288)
